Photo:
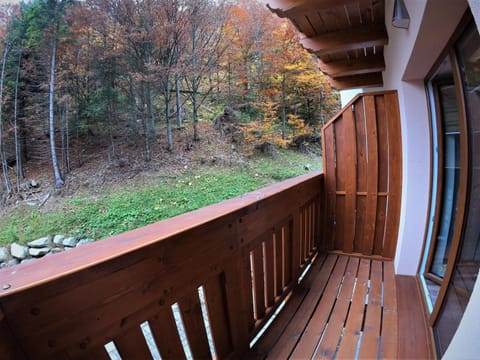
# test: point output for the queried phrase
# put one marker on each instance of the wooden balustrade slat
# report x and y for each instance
(165, 333)
(216, 303)
(98, 353)
(359, 245)
(380, 225)
(278, 262)
(258, 282)
(395, 175)
(288, 246)
(193, 322)
(349, 134)
(372, 176)
(269, 270)
(132, 345)
(330, 183)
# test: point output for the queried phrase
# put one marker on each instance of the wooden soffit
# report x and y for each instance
(347, 36)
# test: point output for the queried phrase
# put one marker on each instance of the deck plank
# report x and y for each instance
(371, 330)
(353, 326)
(330, 340)
(316, 326)
(294, 330)
(389, 335)
(329, 316)
(415, 342)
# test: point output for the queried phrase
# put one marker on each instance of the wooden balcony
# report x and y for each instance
(247, 256)
(300, 269)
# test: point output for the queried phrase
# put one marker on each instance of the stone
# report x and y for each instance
(19, 251)
(84, 241)
(26, 261)
(9, 263)
(34, 183)
(37, 252)
(70, 242)
(56, 250)
(4, 254)
(40, 243)
(58, 239)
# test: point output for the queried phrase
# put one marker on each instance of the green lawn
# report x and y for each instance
(133, 207)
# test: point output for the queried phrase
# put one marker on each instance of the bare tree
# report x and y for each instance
(3, 157)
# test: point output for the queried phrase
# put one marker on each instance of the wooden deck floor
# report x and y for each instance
(345, 308)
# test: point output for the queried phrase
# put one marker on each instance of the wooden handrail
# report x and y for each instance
(245, 253)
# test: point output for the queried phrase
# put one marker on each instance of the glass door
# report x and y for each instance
(451, 260)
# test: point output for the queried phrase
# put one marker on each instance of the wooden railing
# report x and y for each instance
(363, 176)
(243, 256)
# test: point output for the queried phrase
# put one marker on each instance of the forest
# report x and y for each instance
(99, 76)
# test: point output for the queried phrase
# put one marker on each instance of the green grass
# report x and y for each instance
(130, 208)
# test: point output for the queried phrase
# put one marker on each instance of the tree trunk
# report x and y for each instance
(58, 177)
(284, 108)
(146, 132)
(178, 101)
(8, 184)
(18, 147)
(168, 117)
(67, 133)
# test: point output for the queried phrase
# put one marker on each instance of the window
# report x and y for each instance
(452, 254)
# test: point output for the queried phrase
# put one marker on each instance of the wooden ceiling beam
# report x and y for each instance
(359, 81)
(358, 37)
(292, 8)
(360, 66)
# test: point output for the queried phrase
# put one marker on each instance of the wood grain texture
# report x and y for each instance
(363, 166)
(194, 325)
(215, 300)
(414, 340)
(132, 344)
(164, 331)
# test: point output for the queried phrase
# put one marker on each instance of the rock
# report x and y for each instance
(34, 183)
(40, 243)
(37, 252)
(84, 241)
(26, 261)
(56, 250)
(9, 263)
(19, 251)
(58, 239)
(266, 148)
(70, 242)
(307, 167)
(4, 254)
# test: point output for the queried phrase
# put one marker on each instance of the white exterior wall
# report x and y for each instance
(409, 57)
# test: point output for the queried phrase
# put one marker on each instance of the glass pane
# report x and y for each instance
(449, 161)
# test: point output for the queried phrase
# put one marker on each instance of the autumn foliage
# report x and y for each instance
(96, 75)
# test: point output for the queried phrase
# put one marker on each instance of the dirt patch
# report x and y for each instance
(100, 172)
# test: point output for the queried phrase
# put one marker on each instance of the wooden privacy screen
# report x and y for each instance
(363, 176)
